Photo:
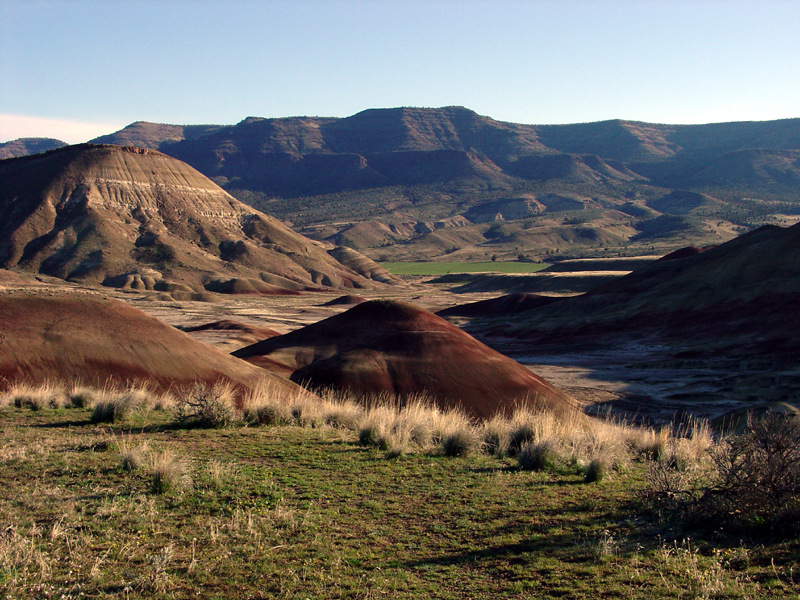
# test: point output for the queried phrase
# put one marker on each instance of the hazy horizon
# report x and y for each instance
(74, 70)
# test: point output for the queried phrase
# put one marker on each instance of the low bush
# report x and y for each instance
(207, 406)
(750, 482)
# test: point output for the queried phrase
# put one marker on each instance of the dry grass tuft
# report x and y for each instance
(118, 406)
(132, 456)
(168, 473)
(82, 396)
(36, 397)
(496, 434)
(541, 455)
(463, 441)
(264, 405)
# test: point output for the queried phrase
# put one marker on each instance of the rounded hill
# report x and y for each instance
(134, 217)
(392, 347)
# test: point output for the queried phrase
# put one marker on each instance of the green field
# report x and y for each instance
(443, 268)
(290, 512)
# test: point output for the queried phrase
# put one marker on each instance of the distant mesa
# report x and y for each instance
(154, 135)
(304, 156)
(772, 167)
(505, 210)
(88, 339)
(135, 218)
(402, 183)
(26, 146)
(348, 300)
(389, 347)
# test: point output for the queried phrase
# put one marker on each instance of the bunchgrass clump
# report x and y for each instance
(308, 411)
(463, 441)
(133, 457)
(118, 406)
(375, 428)
(82, 396)
(597, 470)
(543, 455)
(496, 434)
(168, 473)
(265, 405)
(37, 397)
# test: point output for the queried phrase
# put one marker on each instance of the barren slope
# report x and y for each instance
(71, 337)
(130, 217)
(396, 348)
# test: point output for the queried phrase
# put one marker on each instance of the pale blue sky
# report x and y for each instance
(74, 69)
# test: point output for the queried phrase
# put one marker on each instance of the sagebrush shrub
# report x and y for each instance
(207, 406)
(750, 482)
(757, 475)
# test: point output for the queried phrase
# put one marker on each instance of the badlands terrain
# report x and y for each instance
(372, 434)
(701, 331)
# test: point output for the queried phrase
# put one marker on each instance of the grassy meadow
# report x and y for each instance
(443, 268)
(131, 494)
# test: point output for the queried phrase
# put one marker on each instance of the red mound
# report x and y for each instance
(92, 340)
(386, 346)
(228, 325)
(349, 299)
(503, 305)
(682, 253)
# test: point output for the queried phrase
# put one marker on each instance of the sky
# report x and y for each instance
(77, 69)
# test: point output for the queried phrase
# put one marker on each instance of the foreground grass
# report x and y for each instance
(443, 268)
(291, 512)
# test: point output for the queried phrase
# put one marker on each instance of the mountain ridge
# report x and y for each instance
(404, 168)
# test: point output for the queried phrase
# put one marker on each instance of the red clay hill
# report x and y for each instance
(136, 218)
(739, 298)
(84, 337)
(392, 347)
(503, 305)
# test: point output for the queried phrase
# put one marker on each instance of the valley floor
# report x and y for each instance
(289, 512)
